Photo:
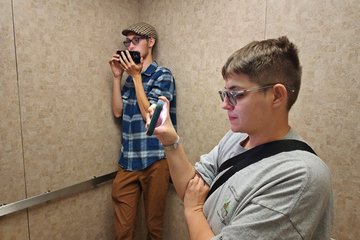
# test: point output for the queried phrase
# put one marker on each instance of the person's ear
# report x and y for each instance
(151, 42)
(280, 95)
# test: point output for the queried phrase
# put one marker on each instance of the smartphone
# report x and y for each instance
(155, 117)
(135, 55)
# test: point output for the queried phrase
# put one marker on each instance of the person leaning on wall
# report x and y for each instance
(286, 193)
(142, 164)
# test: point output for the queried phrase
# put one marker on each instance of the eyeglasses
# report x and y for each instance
(232, 96)
(134, 41)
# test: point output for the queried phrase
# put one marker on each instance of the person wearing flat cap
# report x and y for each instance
(142, 164)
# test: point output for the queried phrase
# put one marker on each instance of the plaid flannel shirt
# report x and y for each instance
(139, 151)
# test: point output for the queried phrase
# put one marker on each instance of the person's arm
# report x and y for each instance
(195, 195)
(141, 97)
(134, 70)
(117, 105)
(180, 168)
(117, 72)
(190, 187)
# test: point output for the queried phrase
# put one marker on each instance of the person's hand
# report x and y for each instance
(128, 64)
(164, 129)
(115, 66)
(195, 195)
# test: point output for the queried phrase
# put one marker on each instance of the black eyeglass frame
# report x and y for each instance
(135, 40)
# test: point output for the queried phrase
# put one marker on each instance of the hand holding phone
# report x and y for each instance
(155, 117)
(135, 55)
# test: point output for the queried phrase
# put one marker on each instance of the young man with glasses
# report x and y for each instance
(142, 164)
(286, 195)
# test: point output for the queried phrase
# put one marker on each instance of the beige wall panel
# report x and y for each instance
(175, 227)
(12, 181)
(11, 167)
(327, 112)
(13, 227)
(84, 216)
(195, 40)
(65, 88)
(69, 135)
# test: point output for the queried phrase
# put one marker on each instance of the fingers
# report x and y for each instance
(114, 59)
(124, 58)
(149, 114)
(197, 183)
(194, 181)
(166, 109)
(164, 99)
(128, 64)
(123, 61)
(129, 58)
(164, 129)
(195, 193)
(120, 60)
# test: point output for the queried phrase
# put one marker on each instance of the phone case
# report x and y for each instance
(135, 55)
(154, 118)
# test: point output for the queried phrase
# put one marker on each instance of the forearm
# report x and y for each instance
(181, 170)
(198, 227)
(141, 97)
(117, 105)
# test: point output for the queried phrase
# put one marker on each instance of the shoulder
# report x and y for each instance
(299, 177)
(300, 180)
(161, 70)
(317, 172)
(299, 163)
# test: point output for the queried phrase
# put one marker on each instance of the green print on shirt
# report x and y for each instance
(224, 211)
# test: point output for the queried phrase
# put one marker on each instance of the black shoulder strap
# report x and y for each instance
(254, 155)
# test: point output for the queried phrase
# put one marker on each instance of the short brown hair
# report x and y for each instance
(268, 62)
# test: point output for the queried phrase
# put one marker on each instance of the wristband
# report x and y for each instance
(172, 146)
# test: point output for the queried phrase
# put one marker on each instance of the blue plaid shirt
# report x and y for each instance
(138, 151)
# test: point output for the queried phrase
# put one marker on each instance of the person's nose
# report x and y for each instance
(226, 104)
(131, 46)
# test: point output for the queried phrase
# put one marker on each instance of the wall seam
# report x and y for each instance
(265, 20)
(20, 116)
(139, 11)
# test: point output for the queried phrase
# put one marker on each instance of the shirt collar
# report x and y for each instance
(151, 68)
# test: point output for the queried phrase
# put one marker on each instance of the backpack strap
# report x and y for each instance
(254, 155)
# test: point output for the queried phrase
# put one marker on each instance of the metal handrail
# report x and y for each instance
(9, 208)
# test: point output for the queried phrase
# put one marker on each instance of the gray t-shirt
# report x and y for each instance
(285, 196)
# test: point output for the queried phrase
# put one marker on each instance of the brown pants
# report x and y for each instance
(126, 190)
